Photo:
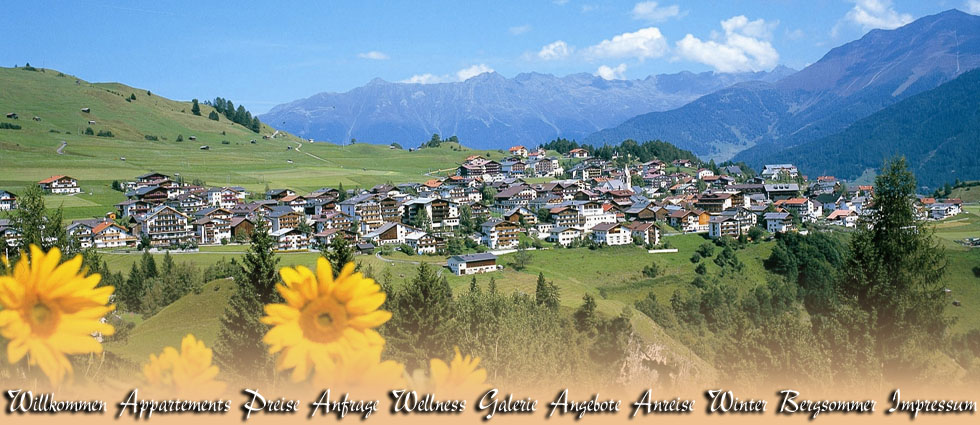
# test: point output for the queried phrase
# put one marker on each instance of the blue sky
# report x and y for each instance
(264, 53)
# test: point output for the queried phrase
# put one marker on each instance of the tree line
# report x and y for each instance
(645, 151)
(522, 338)
(226, 107)
(435, 141)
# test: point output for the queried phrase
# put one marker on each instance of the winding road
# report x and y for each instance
(61, 149)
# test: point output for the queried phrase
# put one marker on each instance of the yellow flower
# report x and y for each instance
(359, 371)
(50, 310)
(460, 377)
(187, 373)
(322, 316)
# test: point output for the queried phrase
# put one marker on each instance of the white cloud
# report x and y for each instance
(586, 8)
(556, 50)
(642, 44)
(472, 71)
(871, 14)
(519, 29)
(795, 34)
(608, 73)
(758, 28)
(973, 6)
(426, 79)
(745, 47)
(373, 55)
(560, 2)
(652, 12)
(461, 75)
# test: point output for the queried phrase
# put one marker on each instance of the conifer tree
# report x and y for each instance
(421, 221)
(169, 267)
(466, 223)
(421, 318)
(522, 258)
(895, 274)
(148, 266)
(230, 111)
(339, 254)
(240, 349)
(341, 193)
(39, 226)
(546, 293)
(585, 317)
(131, 293)
(260, 266)
(239, 117)
(195, 108)
(386, 286)
(474, 287)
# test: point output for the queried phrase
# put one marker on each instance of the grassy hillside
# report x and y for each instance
(198, 314)
(959, 278)
(612, 275)
(31, 153)
(968, 192)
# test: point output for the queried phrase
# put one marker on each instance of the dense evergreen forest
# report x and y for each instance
(937, 131)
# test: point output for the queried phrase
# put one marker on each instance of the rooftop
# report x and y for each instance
(475, 257)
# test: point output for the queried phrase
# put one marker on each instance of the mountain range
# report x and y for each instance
(749, 121)
(490, 111)
(818, 118)
(937, 131)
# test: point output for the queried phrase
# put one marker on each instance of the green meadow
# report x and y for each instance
(609, 268)
(30, 154)
(192, 314)
(964, 285)
(613, 274)
(969, 194)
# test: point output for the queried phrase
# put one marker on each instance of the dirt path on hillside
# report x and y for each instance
(429, 174)
(300, 145)
(392, 260)
(61, 149)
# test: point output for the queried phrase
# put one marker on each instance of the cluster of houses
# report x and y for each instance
(520, 163)
(939, 209)
(593, 201)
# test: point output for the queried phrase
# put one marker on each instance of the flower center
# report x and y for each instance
(43, 319)
(323, 319)
(40, 313)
